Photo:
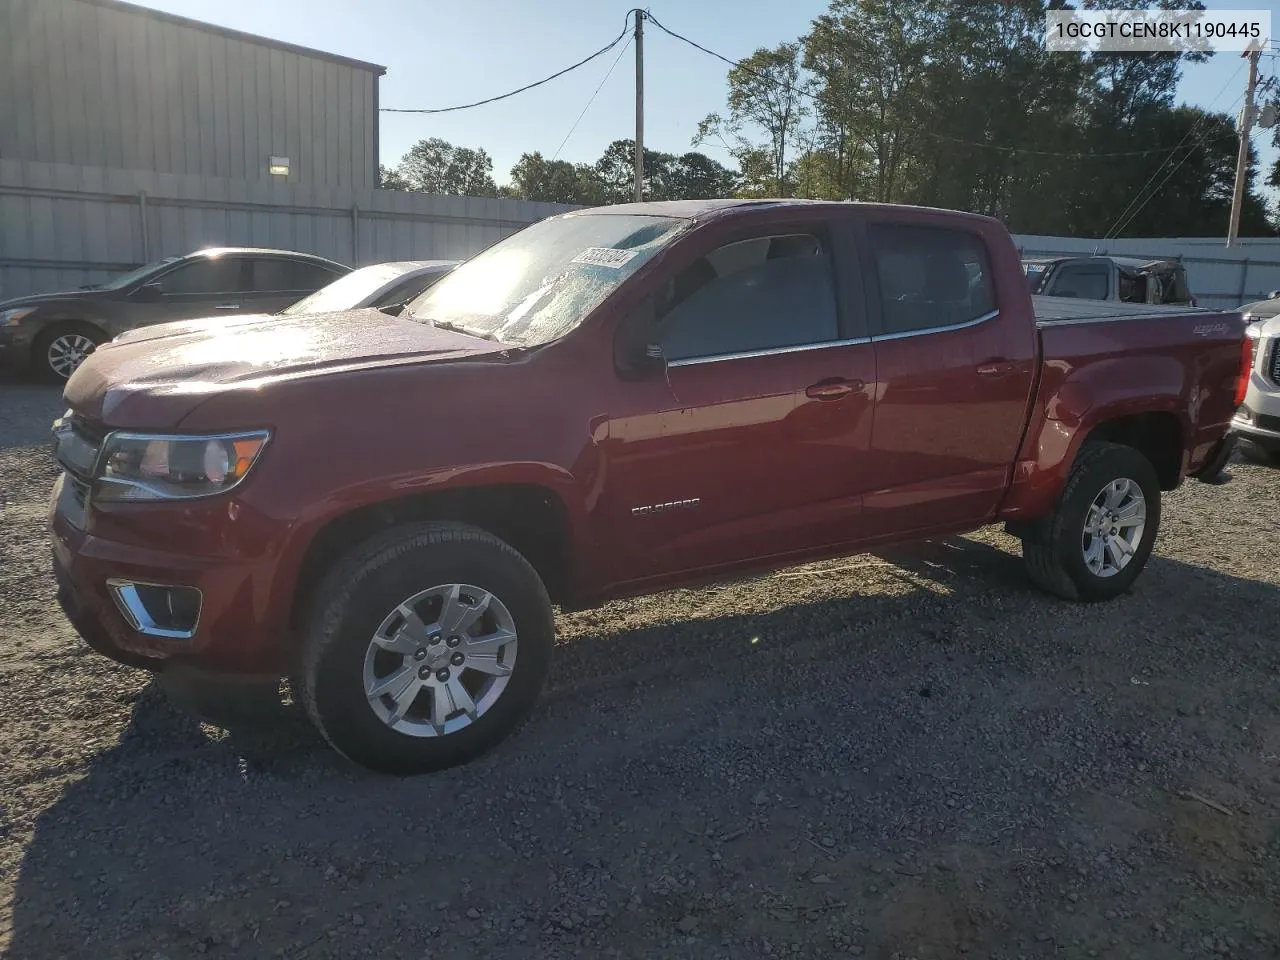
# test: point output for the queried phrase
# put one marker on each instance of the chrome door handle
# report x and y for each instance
(227, 306)
(832, 389)
(995, 368)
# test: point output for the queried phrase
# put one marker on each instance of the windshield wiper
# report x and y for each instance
(459, 328)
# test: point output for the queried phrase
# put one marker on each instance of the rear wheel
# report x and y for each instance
(425, 648)
(1100, 535)
(60, 350)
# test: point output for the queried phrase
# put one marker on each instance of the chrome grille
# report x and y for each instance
(76, 445)
(1273, 360)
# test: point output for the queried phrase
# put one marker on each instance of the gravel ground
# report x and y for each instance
(910, 755)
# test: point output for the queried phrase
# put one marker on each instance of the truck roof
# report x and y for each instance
(706, 209)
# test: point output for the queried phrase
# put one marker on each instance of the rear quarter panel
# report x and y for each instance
(1184, 364)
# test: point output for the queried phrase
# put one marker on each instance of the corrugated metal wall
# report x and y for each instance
(1218, 276)
(97, 85)
(62, 226)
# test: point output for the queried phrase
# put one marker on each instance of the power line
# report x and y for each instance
(559, 73)
(1199, 144)
(592, 99)
(1187, 136)
(928, 133)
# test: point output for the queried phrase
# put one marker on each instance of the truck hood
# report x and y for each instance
(155, 376)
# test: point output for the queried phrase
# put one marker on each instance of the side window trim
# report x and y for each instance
(824, 231)
(943, 329)
(748, 354)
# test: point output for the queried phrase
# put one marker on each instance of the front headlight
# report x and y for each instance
(11, 318)
(136, 466)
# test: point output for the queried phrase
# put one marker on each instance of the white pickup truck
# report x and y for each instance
(1257, 421)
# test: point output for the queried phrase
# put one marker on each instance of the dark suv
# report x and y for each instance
(53, 332)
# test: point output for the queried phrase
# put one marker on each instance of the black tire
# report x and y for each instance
(1263, 453)
(1053, 546)
(362, 589)
(43, 361)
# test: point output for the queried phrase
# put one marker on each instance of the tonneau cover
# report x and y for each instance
(1065, 309)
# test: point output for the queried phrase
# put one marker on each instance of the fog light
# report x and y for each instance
(158, 610)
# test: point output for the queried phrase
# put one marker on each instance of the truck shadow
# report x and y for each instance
(176, 840)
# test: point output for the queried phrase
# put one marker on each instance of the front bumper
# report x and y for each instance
(1258, 419)
(236, 631)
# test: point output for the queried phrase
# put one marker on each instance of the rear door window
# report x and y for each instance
(277, 275)
(929, 278)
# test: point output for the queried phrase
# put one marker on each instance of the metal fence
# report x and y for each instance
(63, 226)
(1218, 276)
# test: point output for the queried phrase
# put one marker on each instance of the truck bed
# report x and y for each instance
(1071, 309)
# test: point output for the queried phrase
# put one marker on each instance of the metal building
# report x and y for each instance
(106, 84)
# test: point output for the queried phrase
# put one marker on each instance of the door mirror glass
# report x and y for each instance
(148, 293)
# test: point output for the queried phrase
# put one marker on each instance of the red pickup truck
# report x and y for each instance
(610, 402)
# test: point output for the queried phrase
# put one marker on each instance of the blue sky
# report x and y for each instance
(442, 52)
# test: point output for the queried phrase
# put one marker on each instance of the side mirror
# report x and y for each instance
(636, 353)
(392, 309)
(148, 293)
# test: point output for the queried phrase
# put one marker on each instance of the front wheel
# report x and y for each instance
(1100, 535)
(425, 648)
(60, 350)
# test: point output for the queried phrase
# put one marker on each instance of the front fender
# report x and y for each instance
(388, 490)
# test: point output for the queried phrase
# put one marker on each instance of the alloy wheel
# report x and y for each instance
(440, 660)
(1113, 527)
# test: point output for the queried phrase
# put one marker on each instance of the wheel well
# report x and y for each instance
(70, 323)
(530, 518)
(1157, 436)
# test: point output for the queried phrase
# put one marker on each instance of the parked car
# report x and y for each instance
(1127, 279)
(383, 286)
(52, 333)
(610, 402)
(386, 286)
(1257, 422)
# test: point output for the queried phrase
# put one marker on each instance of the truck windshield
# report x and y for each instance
(538, 284)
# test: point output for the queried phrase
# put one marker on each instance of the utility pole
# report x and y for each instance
(1242, 157)
(640, 105)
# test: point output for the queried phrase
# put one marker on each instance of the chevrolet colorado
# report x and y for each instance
(610, 402)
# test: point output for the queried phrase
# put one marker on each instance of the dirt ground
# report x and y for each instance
(915, 755)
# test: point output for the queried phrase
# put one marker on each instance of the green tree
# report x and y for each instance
(554, 181)
(437, 166)
(615, 173)
(695, 176)
(390, 179)
(767, 95)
